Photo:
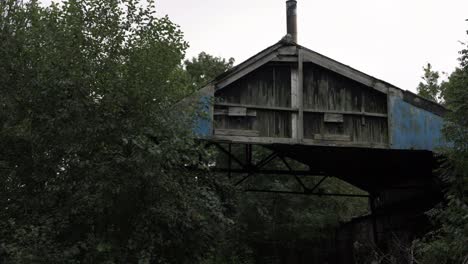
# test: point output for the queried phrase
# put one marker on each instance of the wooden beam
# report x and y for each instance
(282, 58)
(236, 132)
(259, 107)
(319, 111)
(290, 141)
(333, 118)
(246, 70)
(225, 112)
(315, 142)
(250, 61)
(237, 111)
(254, 140)
(288, 51)
(327, 63)
(332, 137)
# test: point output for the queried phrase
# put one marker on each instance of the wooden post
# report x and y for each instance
(363, 108)
(300, 123)
(294, 102)
(297, 102)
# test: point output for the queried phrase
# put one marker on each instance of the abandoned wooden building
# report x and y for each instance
(337, 120)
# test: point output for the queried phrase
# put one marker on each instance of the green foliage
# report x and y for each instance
(448, 243)
(271, 226)
(205, 68)
(431, 88)
(91, 163)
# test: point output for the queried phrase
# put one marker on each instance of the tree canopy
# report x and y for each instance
(448, 242)
(206, 67)
(431, 87)
(92, 165)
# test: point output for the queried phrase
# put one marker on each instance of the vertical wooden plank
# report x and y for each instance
(390, 117)
(294, 101)
(276, 95)
(308, 83)
(323, 90)
(342, 95)
(332, 96)
(300, 97)
(363, 108)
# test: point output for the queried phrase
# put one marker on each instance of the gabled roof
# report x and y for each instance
(288, 51)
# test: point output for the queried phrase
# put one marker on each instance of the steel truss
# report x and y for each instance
(248, 168)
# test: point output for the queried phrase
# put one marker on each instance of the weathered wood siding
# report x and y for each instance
(288, 94)
(269, 86)
(362, 109)
(337, 110)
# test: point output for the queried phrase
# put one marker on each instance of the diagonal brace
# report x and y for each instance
(304, 187)
(258, 166)
(229, 155)
(318, 184)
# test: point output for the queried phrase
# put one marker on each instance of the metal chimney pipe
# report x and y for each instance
(291, 15)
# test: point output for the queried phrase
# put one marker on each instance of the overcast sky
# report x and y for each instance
(388, 39)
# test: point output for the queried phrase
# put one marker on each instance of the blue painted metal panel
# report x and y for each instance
(414, 128)
(203, 123)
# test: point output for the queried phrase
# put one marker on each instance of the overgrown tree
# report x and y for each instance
(448, 243)
(431, 87)
(92, 165)
(206, 67)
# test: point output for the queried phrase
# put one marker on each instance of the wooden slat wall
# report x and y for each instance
(234, 122)
(328, 91)
(375, 102)
(354, 113)
(325, 90)
(267, 86)
(273, 124)
(374, 131)
(267, 122)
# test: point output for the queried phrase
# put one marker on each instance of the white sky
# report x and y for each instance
(388, 39)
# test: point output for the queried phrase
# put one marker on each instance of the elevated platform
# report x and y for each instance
(371, 169)
(290, 95)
